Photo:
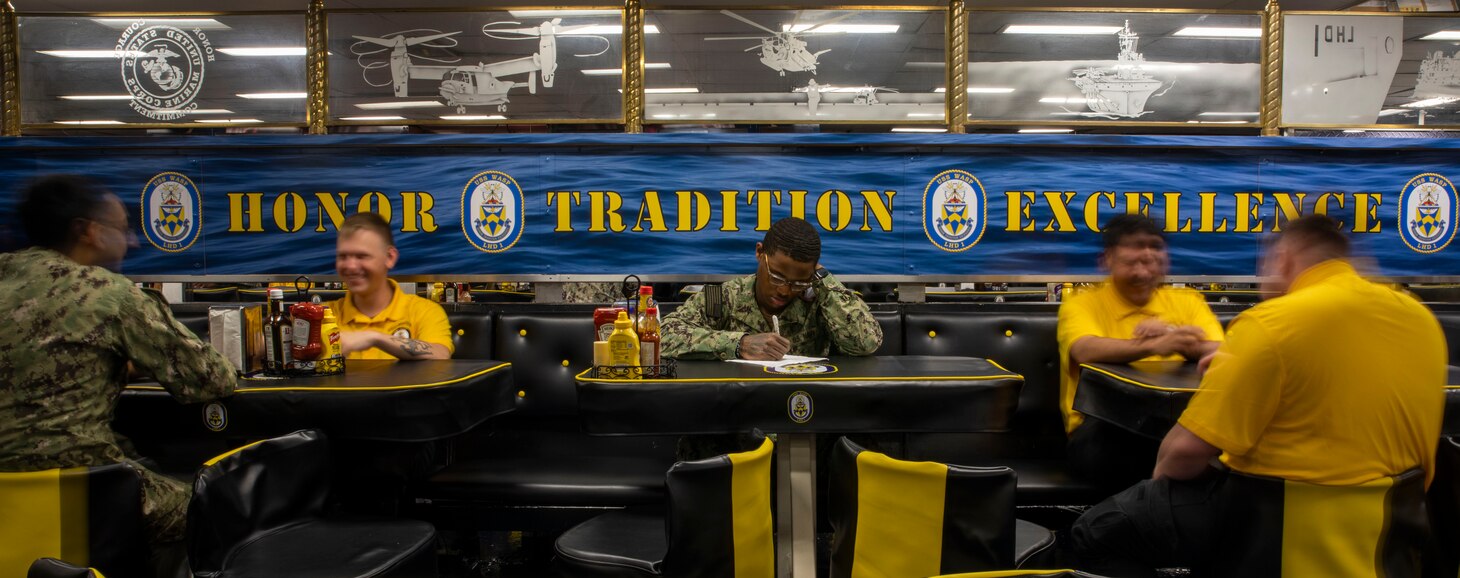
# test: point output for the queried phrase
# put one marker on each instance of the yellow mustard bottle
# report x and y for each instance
(332, 358)
(623, 345)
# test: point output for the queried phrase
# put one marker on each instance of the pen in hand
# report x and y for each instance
(776, 325)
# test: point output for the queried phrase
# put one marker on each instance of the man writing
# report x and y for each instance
(377, 320)
(1338, 382)
(1131, 317)
(790, 305)
(75, 329)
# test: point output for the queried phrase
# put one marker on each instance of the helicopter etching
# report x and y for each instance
(481, 84)
(782, 51)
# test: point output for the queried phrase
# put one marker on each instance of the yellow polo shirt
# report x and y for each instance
(408, 316)
(1339, 382)
(1102, 312)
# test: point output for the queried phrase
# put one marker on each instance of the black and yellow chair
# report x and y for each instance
(718, 525)
(1278, 528)
(901, 519)
(85, 516)
(259, 511)
(53, 568)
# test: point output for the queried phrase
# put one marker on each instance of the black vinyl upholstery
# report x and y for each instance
(53, 568)
(472, 334)
(259, 512)
(98, 521)
(1442, 557)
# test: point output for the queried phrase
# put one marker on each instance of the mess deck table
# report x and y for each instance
(845, 394)
(1147, 397)
(373, 400)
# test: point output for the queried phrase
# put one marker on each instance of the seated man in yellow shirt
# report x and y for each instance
(1339, 382)
(1131, 317)
(377, 320)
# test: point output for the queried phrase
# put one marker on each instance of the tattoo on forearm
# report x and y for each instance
(413, 347)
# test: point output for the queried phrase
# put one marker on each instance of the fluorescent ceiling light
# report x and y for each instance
(210, 111)
(1443, 35)
(1040, 29)
(980, 89)
(474, 117)
(1045, 130)
(938, 64)
(1353, 130)
(1428, 102)
(188, 23)
(273, 95)
(1216, 122)
(265, 51)
(373, 118)
(560, 13)
(401, 104)
(684, 90)
(1219, 32)
(90, 122)
(93, 53)
(95, 97)
(925, 115)
(663, 116)
(841, 28)
(602, 29)
(1228, 114)
(1064, 100)
(615, 71)
(1389, 111)
(229, 120)
(917, 129)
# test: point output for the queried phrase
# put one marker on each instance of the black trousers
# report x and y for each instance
(1153, 524)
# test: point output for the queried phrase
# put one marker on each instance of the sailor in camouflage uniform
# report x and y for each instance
(815, 311)
(72, 329)
(584, 292)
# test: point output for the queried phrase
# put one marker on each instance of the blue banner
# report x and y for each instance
(898, 205)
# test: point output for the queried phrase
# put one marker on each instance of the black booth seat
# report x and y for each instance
(534, 468)
(1021, 337)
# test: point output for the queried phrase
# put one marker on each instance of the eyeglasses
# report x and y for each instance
(779, 281)
(122, 228)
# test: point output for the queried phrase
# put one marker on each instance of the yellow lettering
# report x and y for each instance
(253, 216)
(824, 209)
(699, 211)
(565, 210)
(1248, 213)
(375, 202)
(1209, 214)
(1059, 203)
(651, 207)
(728, 207)
(1019, 203)
(798, 204)
(605, 204)
(1321, 205)
(762, 201)
(1287, 209)
(1139, 203)
(873, 205)
(329, 205)
(1364, 213)
(1092, 209)
(1173, 213)
(290, 212)
(416, 206)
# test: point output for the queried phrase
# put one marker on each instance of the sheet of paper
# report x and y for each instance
(787, 360)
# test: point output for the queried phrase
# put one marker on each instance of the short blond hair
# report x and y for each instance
(367, 221)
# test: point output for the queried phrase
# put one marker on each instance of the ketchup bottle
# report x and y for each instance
(307, 320)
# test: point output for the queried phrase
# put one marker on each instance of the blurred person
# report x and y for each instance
(1132, 316)
(814, 311)
(75, 331)
(1339, 381)
(376, 319)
